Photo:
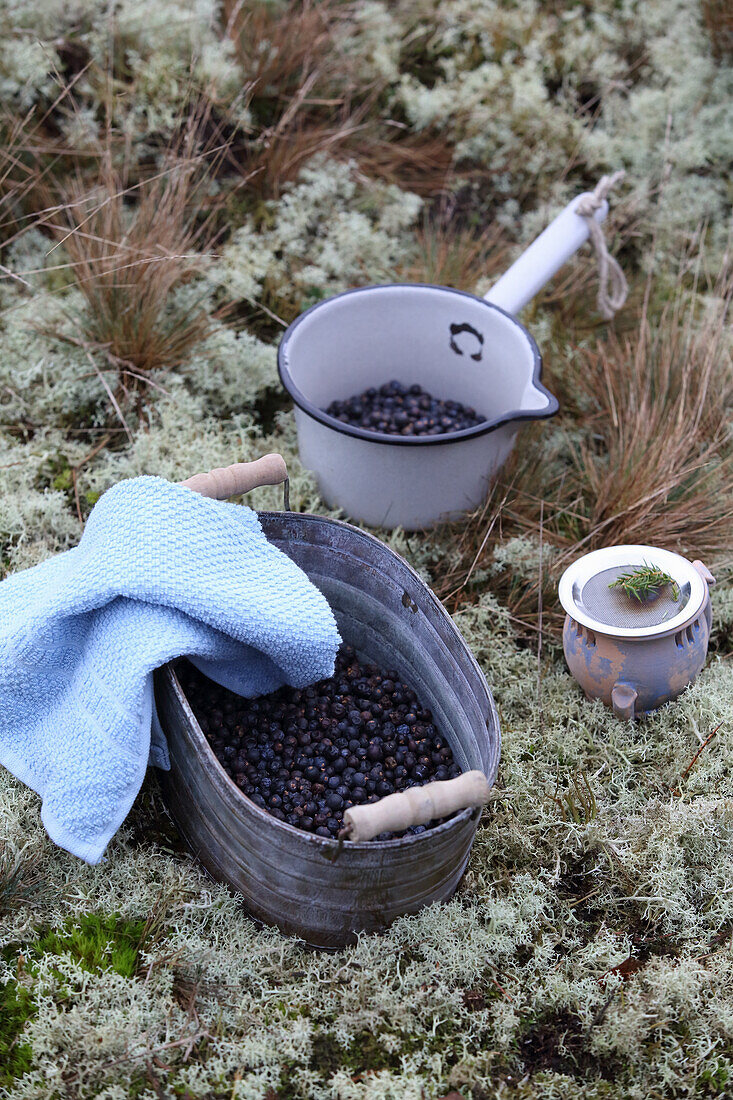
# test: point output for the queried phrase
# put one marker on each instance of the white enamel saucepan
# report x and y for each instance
(456, 346)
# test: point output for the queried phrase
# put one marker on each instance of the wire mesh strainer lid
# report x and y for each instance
(586, 595)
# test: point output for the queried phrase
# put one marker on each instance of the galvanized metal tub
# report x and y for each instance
(289, 877)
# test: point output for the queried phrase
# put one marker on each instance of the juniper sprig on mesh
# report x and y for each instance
(645, 581)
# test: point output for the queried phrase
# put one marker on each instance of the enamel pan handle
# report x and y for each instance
(543, 258)
(416, 806)
(231, 481)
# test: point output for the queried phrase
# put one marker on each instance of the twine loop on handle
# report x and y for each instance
(612, 285)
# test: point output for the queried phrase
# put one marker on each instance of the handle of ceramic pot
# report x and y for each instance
(242, 477)
(546, 255)
(417, 806)
(623, 701)
(704, 572)
(709, 579)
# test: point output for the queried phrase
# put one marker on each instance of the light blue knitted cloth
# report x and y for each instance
(160, 571)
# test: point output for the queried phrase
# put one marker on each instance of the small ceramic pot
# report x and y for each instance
(636, 667)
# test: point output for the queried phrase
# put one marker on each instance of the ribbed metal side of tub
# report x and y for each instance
(288, 877)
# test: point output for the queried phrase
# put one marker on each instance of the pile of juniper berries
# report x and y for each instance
(306, 756)
(404, 410)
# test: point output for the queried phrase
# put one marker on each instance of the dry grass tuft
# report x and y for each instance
(28, 155)
(448, 254)
(283, 48)
(305, 99)
(21, 879)
(17, 172)
(718, 18)
(645, 457)
(33, 158)
(298, 86)
(658, 466)
(420, 162)
(130, 247)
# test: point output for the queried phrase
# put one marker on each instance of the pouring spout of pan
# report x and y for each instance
(538, 402)
(544, 257)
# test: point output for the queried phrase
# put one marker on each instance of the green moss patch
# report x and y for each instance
(98, 943)
(16, 1008)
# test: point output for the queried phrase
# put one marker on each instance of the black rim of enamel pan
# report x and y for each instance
(484, 428)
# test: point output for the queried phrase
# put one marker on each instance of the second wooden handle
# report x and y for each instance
(232, 481)
(417, 806)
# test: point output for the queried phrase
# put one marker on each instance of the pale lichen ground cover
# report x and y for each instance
(588, 950)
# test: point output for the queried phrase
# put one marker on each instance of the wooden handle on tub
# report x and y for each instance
(231, 481)
(417, 806)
